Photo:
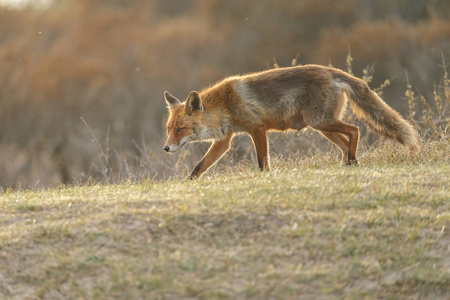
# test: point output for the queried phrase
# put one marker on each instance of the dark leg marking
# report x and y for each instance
(261, 163)
(196, 169)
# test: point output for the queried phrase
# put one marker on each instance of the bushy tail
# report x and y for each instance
(378, 116)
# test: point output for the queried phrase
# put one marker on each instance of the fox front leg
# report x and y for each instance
(259, 138)
(215, 152)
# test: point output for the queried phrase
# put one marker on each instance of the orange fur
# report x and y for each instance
(281, 99)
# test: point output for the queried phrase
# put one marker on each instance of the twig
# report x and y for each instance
(99, 146)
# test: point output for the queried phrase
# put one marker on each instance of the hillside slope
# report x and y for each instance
(308, 228)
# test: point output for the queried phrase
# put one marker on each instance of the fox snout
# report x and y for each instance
(170, 148)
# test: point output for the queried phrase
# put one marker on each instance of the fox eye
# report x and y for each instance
(180, 129)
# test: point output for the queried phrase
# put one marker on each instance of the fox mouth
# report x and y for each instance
(181, 146)
(172, 150)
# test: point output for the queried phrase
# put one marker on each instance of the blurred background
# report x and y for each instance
(109, 61)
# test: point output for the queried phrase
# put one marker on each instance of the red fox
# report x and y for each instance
(281, 99)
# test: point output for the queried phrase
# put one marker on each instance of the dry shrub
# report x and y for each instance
(110, 61)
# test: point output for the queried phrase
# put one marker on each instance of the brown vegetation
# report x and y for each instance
(110, 61)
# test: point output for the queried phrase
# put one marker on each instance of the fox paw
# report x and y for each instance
(350, 161)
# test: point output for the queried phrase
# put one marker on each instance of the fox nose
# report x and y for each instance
(166, 148)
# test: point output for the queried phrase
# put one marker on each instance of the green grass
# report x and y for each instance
(308, 229)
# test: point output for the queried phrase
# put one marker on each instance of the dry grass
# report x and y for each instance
(110, 62)
(310, 228)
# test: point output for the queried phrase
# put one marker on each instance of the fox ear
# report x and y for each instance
(171, 101)
(193, 103)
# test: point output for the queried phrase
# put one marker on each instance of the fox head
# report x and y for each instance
(184, 123)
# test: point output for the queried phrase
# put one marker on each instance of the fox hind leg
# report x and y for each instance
(340, 141)
(348, 130)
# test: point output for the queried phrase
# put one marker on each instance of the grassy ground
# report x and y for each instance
(308, 229)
